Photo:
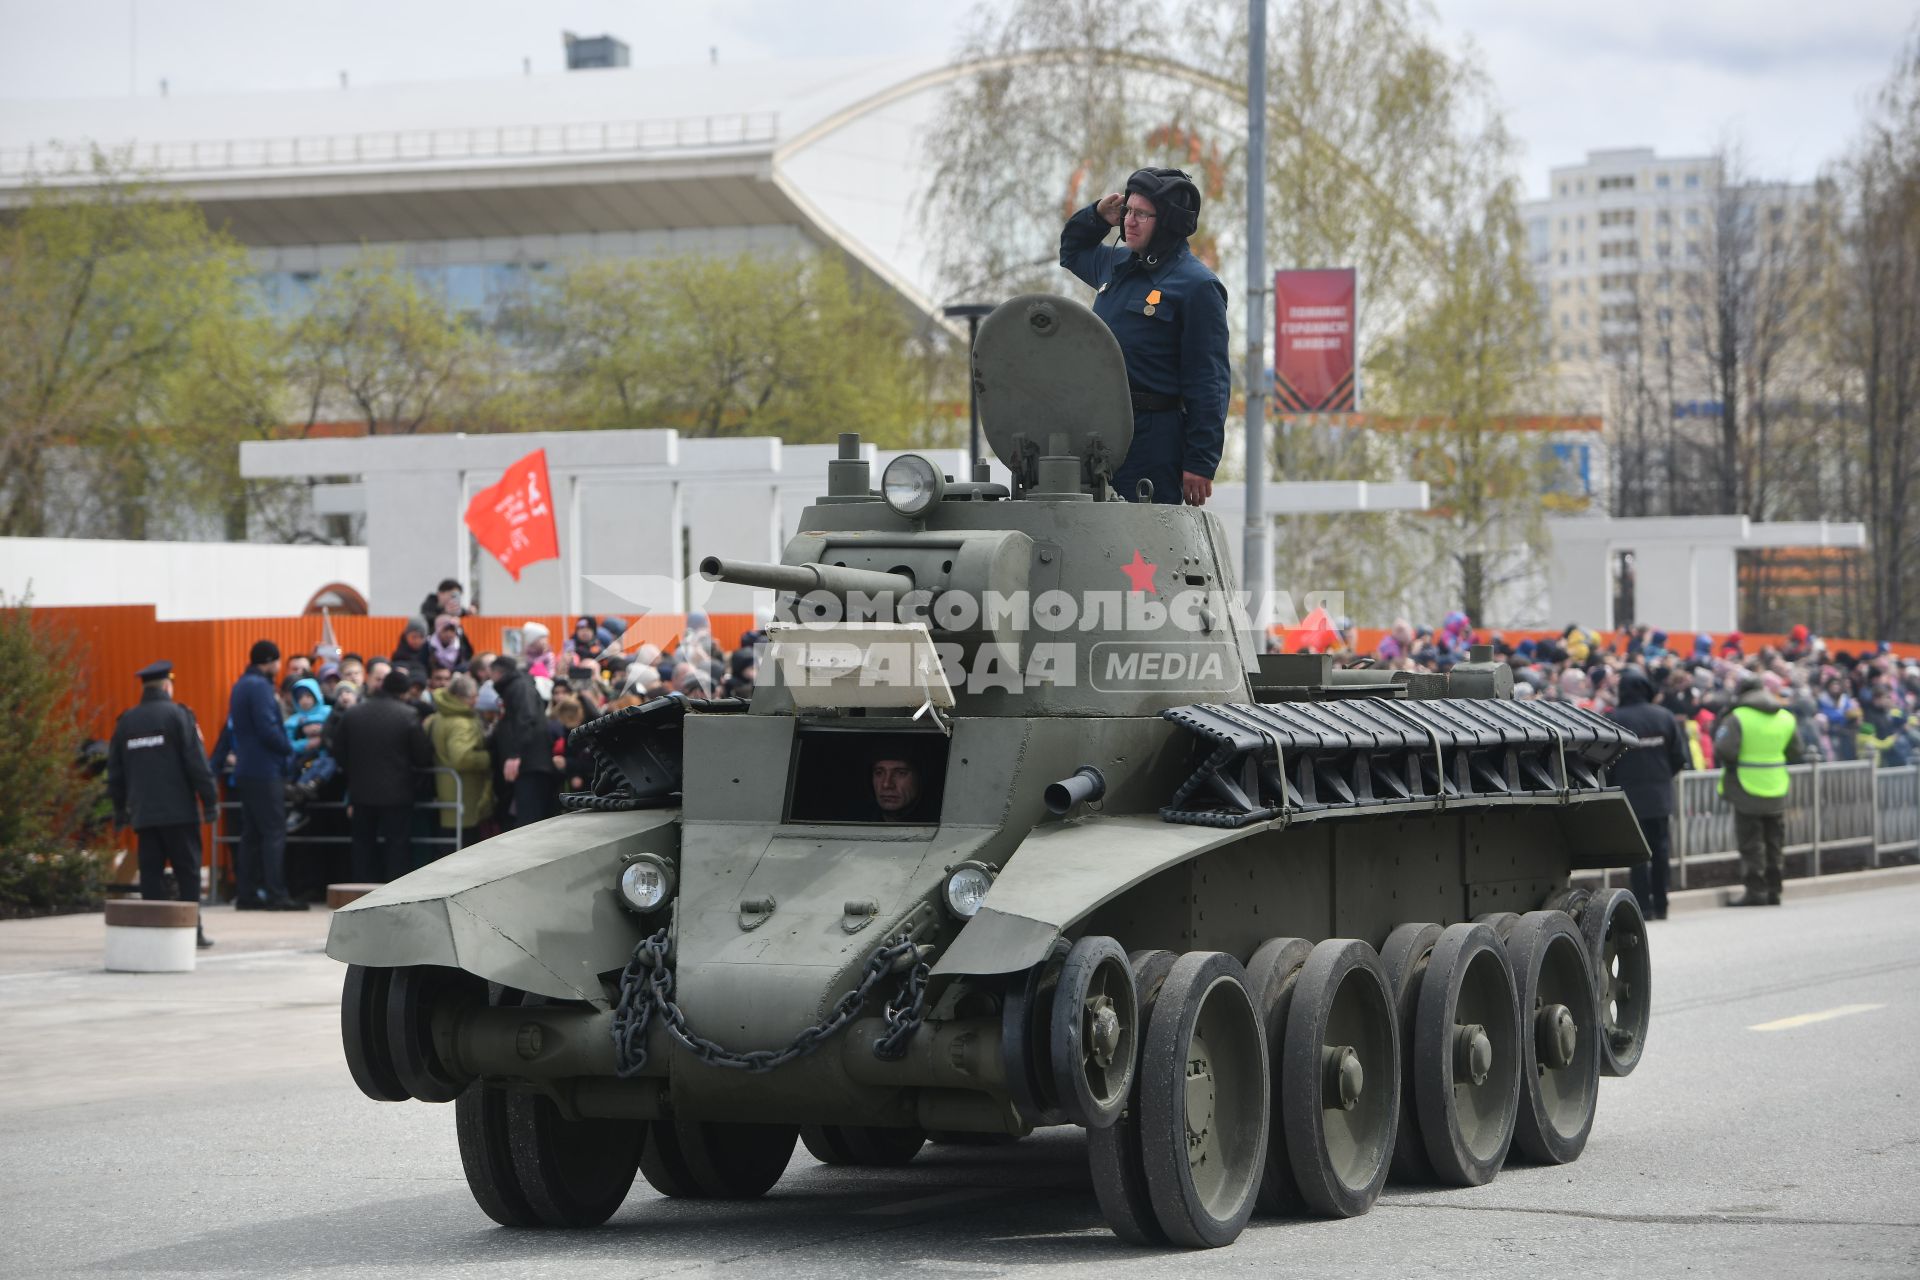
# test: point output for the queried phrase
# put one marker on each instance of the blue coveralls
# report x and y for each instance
(1176, 346)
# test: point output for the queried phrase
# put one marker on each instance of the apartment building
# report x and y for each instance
(1623, 249)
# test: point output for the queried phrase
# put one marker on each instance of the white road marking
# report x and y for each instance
(938, 1201)
(226, 958)
(1802, 1019)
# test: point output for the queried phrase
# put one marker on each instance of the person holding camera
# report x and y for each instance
(1169, 313)
(447, 599)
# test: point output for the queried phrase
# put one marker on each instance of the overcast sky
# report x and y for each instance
(1786, 78)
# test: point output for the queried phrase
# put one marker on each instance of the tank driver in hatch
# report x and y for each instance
(898, 794)
(1169, 313)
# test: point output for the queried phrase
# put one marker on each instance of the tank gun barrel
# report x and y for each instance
(803, 578)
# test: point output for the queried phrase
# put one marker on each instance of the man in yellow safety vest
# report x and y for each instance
(1757, 740)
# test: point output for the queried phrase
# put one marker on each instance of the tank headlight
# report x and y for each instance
(966, 889)
(647, 883)
(912, 485)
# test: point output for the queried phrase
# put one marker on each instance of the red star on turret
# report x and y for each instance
(1139, 572)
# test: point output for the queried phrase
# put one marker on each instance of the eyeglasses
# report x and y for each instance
(1140, 215)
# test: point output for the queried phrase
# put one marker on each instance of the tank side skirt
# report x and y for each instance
(1355, 877)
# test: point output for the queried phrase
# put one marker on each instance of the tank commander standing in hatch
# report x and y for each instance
(1169, 313)
(161, 785)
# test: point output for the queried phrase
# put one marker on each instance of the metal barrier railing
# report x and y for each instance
(455, 841)
(408, 146)
(1848, 804)
(1896, 809)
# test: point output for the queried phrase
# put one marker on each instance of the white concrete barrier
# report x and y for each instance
(151, 937)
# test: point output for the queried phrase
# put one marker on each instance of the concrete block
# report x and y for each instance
(150, 937)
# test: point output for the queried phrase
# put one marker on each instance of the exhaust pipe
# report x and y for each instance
(1086, 783)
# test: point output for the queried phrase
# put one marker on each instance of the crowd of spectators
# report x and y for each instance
(436, 745)
(1849, 705)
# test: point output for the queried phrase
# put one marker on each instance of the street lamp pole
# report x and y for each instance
(1257, 550)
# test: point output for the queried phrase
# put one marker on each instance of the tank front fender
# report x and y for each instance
(1060, 873)
(536, 908)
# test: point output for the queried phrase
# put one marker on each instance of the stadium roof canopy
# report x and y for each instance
(829, 147)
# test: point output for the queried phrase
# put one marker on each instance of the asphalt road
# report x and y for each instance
(203, 1125)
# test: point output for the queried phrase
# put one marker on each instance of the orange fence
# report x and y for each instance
(106, 644)
(111, 642)
(1367, 639)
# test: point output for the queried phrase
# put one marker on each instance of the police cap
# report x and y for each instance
(155, 671)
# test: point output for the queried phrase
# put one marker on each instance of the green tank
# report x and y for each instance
(1019, 830)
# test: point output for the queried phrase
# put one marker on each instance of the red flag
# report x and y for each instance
(1315, 634)
(514, 519)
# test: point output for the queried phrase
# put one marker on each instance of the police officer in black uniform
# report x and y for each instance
(156, 771)
(1169, 313)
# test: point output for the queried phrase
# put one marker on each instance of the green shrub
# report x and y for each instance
(51, 879)
(53, 806)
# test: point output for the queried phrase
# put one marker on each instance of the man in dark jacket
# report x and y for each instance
(256, 744)
(1646, 775)
(410, 650)
(379, 746)
(526, 746)
(156, 774)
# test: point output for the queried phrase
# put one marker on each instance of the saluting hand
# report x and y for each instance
(1195, 489)
(1112, 208)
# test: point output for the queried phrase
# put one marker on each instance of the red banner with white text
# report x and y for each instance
(1313, 341)
(514, 519)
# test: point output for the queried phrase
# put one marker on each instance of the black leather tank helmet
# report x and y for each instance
(1175, 199)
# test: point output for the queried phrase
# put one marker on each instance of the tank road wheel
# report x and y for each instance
(1271, 974)
(1094, 1028)
(665, 1166)
(574, 1173)
(486, 1155)
(1340, 1078)
(527, 1166)
(486, 1152)
(709, 1160)
(1559, 1049)
(1404, 957)
(363, 1033)
(1113, 1153)
(1465, 1058)
(1203, 1101)
(1026, 1035)
(867, 1146)
(1570, 900)
(1503, 923)
(413, 993)
(1616, 938)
